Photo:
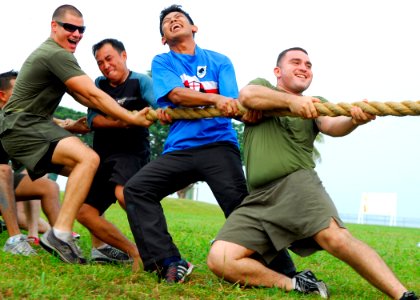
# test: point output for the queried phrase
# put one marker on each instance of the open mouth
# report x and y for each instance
(175, 27)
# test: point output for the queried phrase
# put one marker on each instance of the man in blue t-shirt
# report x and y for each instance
(195, 150)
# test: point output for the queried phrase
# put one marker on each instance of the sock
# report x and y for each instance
(294, 284)
(65, 236)
(102, 246)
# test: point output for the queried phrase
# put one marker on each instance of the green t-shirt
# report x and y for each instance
(277, 146)
(40, 85)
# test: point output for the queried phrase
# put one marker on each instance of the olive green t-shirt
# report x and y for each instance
(277, 146)
(40, 84)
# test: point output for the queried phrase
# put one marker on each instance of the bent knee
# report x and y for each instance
(335, 240)
(222, 256)
(85, 214)
(5, 171)
(215, 259)
(92, 159)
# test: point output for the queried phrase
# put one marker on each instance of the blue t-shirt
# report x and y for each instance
(206, 71)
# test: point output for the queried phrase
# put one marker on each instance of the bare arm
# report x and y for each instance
(259, 97)
(190, 98)
(341, 126)
(85, 91)
(100, 121)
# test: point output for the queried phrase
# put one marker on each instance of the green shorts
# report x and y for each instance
(29, 140)
(285, 213)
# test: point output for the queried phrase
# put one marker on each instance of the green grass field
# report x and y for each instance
(193, 225)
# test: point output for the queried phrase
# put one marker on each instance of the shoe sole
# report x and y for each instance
(105, 261)
(323, 290)
(43, 242)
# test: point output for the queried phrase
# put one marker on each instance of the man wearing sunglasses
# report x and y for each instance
(30, 137)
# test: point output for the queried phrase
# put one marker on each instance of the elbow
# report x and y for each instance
(246, 95)
(176, 96)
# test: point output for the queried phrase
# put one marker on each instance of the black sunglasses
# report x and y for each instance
(70, 27)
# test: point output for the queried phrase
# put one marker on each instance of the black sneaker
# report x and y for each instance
(306, 282)
(178, 271)
(409, 296)
(109, 254)
(68, 252)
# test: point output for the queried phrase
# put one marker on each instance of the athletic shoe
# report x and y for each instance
(109, 254)
(178, 271)
(18, 245)
(306, 282)
(68, 251)
(409, 296)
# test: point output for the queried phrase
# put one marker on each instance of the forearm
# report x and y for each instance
(190, 98)
(262, 98)
(336, 126)
(105, 122)
(84, 90)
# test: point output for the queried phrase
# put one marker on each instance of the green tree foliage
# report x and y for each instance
(239, 128)
(316, 154)
(68, 113)
(158, 134)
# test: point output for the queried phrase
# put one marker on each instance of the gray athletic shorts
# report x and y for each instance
(284, 213)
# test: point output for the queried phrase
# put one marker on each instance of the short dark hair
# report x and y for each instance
(5, 79)
(283, 53)
(170, 9)
(63, 9)
(116, 44)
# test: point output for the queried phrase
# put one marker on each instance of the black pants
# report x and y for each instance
(218, 164)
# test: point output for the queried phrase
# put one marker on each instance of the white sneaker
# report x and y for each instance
(19, 245)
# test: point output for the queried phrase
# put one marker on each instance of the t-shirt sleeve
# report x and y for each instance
(146, 90)
(263, 82)
(165, 80)
(228, 86)
(64, 65)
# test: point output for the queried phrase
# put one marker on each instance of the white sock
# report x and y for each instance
(294, 283)
(102, 246)
(65, 236)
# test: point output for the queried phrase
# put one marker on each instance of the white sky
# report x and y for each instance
(359, 49)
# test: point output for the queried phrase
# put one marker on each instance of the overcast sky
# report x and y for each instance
(359, 49)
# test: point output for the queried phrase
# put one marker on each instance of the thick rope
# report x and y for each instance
(404, 108)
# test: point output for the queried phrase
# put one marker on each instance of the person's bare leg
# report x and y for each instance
(119, 194)
(32, 211)
(107, 232)
(16, 243)
(7, 200)
(363, 259)
(21, 215)
(96, 243)
(232, 262)
(44, 189)
(43, 225)
(83, 161)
